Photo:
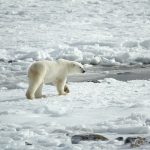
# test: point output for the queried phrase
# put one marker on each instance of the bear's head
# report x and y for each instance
(76, 67)
(73, 67)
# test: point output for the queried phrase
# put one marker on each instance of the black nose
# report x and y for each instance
(83, 71)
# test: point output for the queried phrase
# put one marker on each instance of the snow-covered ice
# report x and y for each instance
(97, 32)
(113, 31)
(111, 108)
(110, 32)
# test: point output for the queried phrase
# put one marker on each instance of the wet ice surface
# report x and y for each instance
(16, 72)
(122, 73)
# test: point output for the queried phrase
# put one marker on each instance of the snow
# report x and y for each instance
(93, 32)
(83, 30)
(112, 108)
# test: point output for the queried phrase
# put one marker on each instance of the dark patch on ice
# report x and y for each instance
(27, 143)
(119, 138)
(18, 129)
(132, 141)
(143, 60)
(21, 13)
(61, 145)
(4, 113)
(2, 60)
(94, 81)
(147, 122)
(135, 141)
(119, 73)
(87, 137)
(11, 61)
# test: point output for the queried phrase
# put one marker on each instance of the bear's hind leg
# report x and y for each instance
(38, 92)
(60, 87)
(66, 89)
(30, 93)
(33, 86)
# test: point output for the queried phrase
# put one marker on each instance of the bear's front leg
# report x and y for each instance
(66, 89)
(60, 87)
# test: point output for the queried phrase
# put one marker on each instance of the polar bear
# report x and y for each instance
(54, 72)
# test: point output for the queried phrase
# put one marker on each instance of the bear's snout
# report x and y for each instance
(83, 71)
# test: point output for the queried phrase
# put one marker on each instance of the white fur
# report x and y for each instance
(55, 72)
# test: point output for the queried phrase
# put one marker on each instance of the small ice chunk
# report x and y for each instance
(96, 60)
(122, 57)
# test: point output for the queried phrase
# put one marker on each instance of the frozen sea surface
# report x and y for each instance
(112, 33)
(111, 108)
(107, 32)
